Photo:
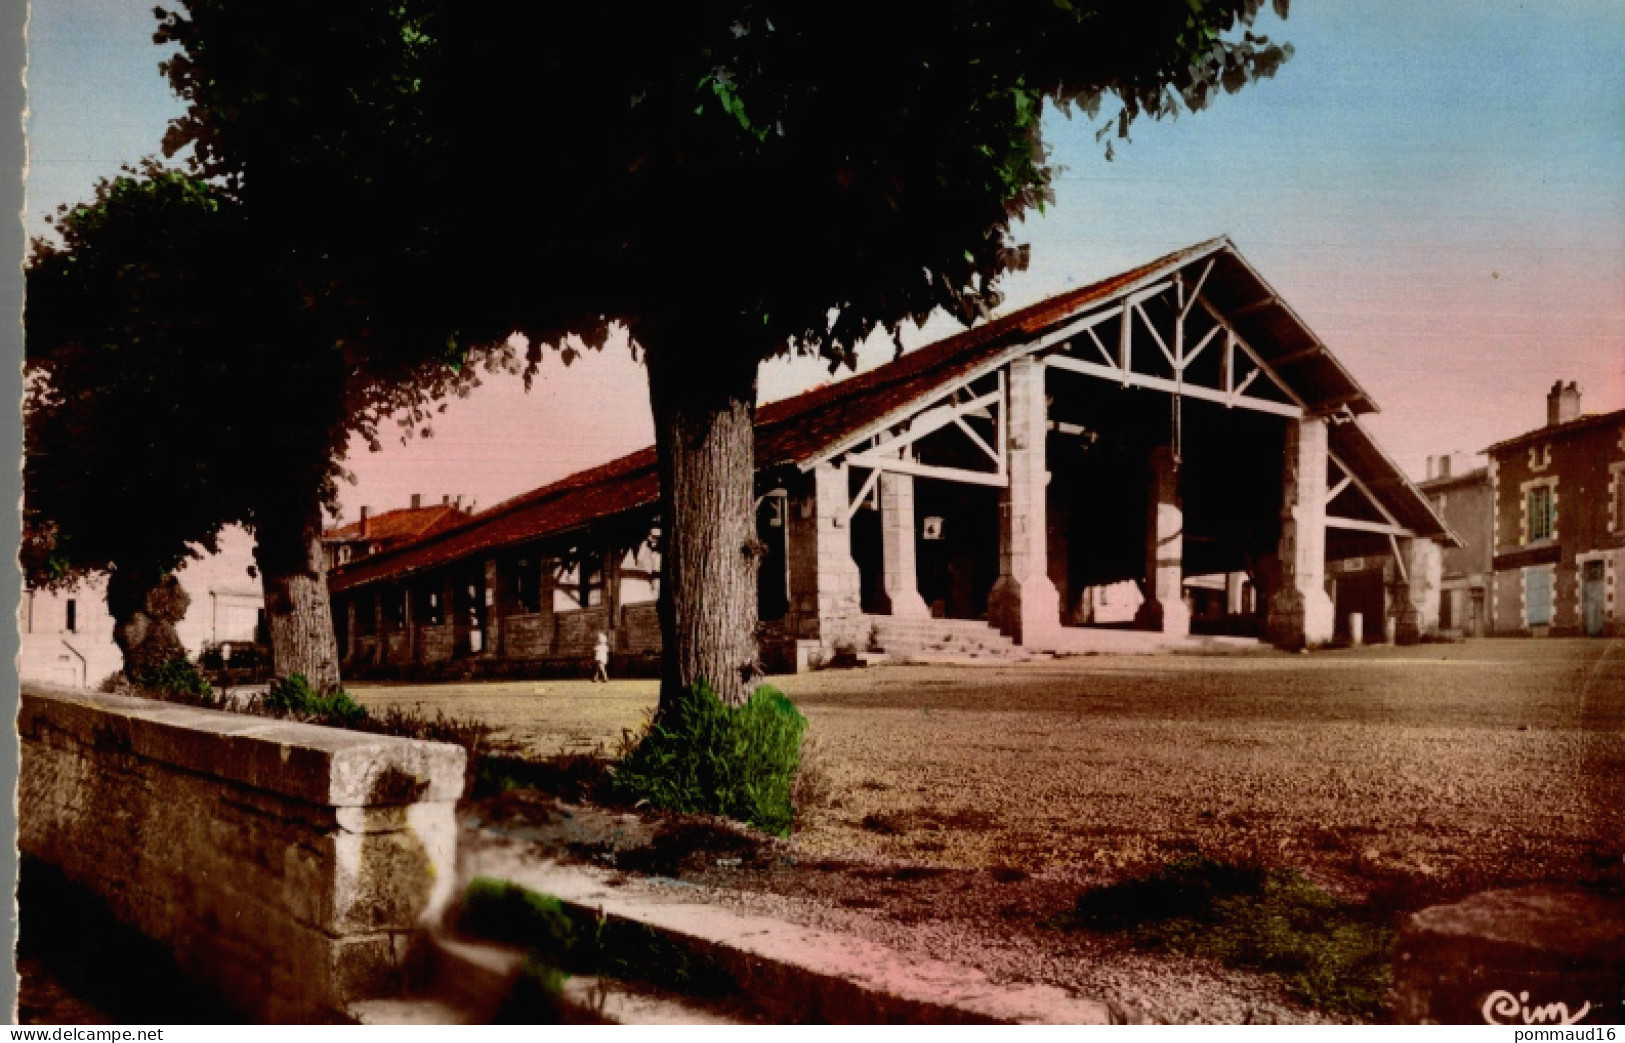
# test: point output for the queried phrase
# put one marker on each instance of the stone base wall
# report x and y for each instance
(436, 643)
(577, 631)
(639, 632)
(288, 867)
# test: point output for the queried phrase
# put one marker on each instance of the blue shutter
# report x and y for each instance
(1537, 585)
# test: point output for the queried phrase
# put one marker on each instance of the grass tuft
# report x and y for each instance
(704, 757)
(1332, 954)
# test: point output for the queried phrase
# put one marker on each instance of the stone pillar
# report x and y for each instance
(901, 577)
(1301, 614)
(1235, 586)
(1024, 603)
(1416, 595)
(495, 609)
(1164, 608)
(824, 585)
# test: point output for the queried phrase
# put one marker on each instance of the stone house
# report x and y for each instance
(373, 534)
(1559, 522)
(1464, 499)
(1176, 431)
(67, 635)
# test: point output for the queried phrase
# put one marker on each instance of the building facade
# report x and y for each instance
(1559, 522)
(67, 635)
(1168, 452)
(1463, 498)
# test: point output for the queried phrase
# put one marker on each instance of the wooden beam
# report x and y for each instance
(1173, 362)
(1369, 495)
(1258, 360)
(1204, 342)
(1335, 491)
(1399, 559)
(1248, 309)
(1360, 525)
(970, 432)
(1190, 302)
(1161, 384)
(919, 470)
(863, 494)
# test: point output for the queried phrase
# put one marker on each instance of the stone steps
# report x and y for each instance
(943, 640)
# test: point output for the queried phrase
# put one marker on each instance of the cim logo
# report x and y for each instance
(1503, 1008)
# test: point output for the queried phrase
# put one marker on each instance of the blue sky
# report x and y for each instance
(1437, 188)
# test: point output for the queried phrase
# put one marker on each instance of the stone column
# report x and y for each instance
(1164, 608)
(1301, 614)
(900, 576)
(1024, 603)
(1235, 586)
(1416, 595)
(495, 608)
(824, 585)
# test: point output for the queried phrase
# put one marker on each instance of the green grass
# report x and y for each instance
(293, 696)
(177, 681)
(701, 756)
(1332, 954)
(558, 944)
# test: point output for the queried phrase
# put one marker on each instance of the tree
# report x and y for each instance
(728, 180)
(177, 385)
(122, 371)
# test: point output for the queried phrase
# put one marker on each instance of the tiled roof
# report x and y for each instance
(1584, 422)
(801, 429)
(402, 523)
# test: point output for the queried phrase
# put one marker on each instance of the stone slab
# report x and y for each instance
(807, 973)
(1529, 956)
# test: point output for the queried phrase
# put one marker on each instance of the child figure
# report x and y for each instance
(600, 655)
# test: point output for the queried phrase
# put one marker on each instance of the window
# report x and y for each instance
(73, 616)
(1540, 513)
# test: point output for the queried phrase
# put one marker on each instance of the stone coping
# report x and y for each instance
(329, 767)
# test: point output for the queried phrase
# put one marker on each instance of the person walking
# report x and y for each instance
(600, 655)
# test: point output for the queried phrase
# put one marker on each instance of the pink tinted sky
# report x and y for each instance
(1436, 188)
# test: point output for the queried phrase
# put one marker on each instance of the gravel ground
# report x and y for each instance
(963, 807)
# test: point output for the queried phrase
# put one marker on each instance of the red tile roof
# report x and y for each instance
(402, 523)
(798, 430)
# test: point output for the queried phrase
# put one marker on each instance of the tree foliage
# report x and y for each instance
(796, 175)
(727, 179)
(127, 465)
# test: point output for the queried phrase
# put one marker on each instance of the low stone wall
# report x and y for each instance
(288, 867)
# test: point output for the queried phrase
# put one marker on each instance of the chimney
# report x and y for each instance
(1444, 466)
(1562, 403)
(366, 512)
(445, 500)
(417, 500)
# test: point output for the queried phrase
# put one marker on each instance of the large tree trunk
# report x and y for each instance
(145, 607)
(293, 574)
(705, 438)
